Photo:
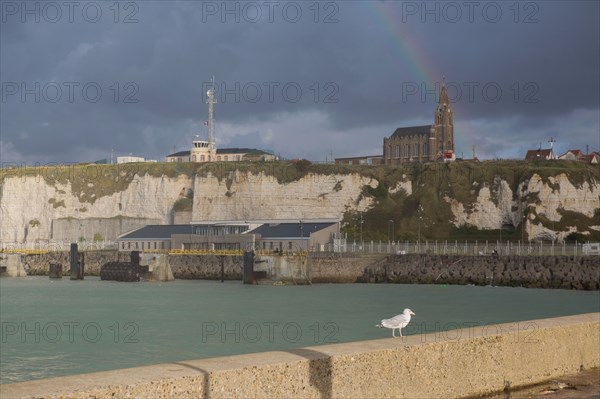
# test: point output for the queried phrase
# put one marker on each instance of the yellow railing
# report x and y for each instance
(231, 252)
(156, 251)
(222, 252)
(24, 251)
(265, 252)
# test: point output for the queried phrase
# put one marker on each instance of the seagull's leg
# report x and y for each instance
(400, 332)
(393, 332)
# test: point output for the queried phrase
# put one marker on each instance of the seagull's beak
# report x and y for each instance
(413, 313)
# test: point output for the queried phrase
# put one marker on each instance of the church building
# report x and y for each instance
(423, 143)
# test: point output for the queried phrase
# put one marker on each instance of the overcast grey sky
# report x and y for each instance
(303, 78)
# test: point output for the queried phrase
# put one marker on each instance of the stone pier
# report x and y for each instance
(468, 362)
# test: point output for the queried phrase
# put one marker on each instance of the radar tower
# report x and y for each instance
(211, 100)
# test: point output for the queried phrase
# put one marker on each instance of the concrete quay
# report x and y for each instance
(462, 363)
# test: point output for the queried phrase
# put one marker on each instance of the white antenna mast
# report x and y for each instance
(211, 129)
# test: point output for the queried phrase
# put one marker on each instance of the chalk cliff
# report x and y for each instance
(99, 202)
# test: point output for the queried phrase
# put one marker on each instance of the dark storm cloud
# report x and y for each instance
(353, 75)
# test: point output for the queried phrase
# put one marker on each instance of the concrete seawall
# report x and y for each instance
(38, 265)
(460, 363)
(565, 272)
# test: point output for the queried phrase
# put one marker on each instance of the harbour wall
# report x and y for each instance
(460, 363)
(566, 272)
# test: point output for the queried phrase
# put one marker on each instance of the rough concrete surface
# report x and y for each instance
(476, 361)
(583, 385)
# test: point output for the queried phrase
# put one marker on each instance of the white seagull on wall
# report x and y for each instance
(398, 322)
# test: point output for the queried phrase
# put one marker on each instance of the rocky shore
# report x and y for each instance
(566, 272)
(581, 273)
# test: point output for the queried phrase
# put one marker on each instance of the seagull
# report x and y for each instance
(398, 322)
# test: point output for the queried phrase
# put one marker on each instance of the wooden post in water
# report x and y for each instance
(81, 266)
(55, 270)
(74, 262)
(248, 275)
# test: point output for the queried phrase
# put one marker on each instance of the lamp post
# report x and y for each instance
(361, 228)
(420, 217)
(390, 229)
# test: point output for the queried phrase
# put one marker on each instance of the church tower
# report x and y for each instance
(442, 130)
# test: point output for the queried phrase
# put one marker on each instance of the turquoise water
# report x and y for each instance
(59, 327)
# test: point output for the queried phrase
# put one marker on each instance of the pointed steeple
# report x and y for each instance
(444, 93)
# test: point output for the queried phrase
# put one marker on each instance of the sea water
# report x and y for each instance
(59, 327)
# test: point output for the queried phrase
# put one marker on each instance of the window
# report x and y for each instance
(201, 158)
(154, 244)
(290, 245)
(219, 158)
(225, 158)
(238, 157)
(397, 151)
(406, 150)
(194, 158)
(128, 245)
(425, 152)
(416, 149)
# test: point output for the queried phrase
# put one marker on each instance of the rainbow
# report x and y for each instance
(414, 64)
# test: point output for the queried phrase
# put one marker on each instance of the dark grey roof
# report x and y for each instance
(158, 231)
(288, 230)
(180, 154)
(412, 131)
(164, 232)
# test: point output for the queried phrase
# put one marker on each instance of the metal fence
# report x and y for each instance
(466, 248)
(343, 247)
(51, 246)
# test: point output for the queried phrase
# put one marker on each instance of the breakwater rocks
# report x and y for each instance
(582, 273)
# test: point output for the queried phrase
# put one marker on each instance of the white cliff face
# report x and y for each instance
(247, 196)
(584, 199)
(559, 194)
(29, 204)
(31, 209)
(404, 185)
(485, 214)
